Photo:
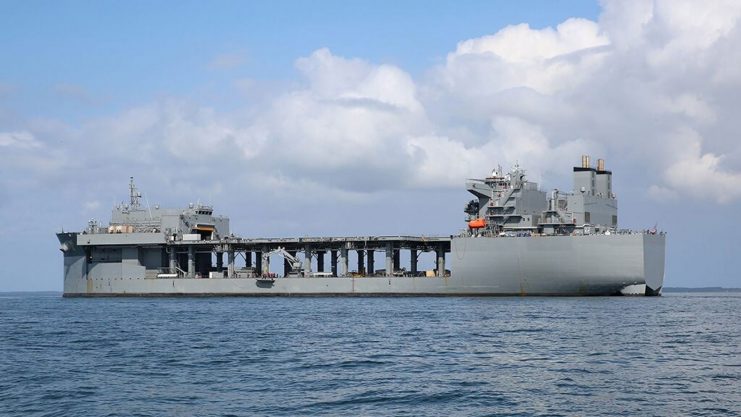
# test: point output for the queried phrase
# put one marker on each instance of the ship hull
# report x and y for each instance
(549, 266)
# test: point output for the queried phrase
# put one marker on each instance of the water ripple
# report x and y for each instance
(674, 355)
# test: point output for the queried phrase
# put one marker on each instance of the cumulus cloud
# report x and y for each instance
(701, 172)
(345, 127)
(651, 85)
(629, 86)
(546, 60)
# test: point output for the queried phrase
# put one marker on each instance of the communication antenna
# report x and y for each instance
(148, 207)
(134, 195)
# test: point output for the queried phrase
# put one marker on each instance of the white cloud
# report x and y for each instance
(330, 75)
(626, 86)
(520, 43)
(546, 60)
(652, 86)
(662, 194)
(19, 139)
(691, 106)
(701, 174)
(28, 160)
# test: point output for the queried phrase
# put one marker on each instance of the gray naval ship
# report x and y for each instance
(519, 240)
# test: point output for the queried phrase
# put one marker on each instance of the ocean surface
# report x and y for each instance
(457, 356)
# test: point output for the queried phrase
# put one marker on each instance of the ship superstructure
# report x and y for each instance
(519, 241)
(196, 219)
(509, 203)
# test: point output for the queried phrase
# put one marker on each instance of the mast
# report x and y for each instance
(134, 195)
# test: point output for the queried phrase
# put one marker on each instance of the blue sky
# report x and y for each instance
(124, 53)
(334, 117)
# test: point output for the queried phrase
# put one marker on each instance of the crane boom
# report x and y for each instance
(292, 260)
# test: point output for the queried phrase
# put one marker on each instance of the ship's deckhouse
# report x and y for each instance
(508, 203)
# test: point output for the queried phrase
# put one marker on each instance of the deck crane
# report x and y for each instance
(296, 265)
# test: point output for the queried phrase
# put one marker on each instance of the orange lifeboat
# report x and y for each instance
(477, 224)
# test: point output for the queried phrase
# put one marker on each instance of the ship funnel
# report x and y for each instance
(600, 165)
(585, 161)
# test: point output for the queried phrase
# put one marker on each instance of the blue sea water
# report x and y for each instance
(674, 355)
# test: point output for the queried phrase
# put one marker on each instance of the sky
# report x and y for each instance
(298, 118)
